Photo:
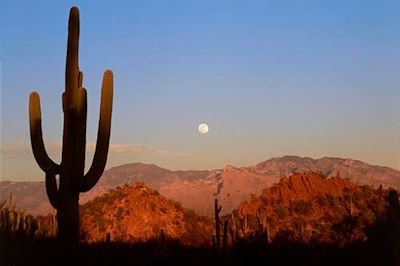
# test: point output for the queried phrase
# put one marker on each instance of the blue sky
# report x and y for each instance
(309, 78)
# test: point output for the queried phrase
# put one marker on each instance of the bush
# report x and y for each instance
(118, 214)
(265, 200)
(298, 223)
(301, 207)
(333, 202)
(281, 211)
(322, 201)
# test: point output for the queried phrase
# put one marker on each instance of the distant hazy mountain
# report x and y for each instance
(197, 189)
(356, 171)
(28, 195)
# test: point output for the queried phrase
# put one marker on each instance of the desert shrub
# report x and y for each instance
(253, 197)
(322, 200)
(281, 211)
(346, 227)
(301, 207)
(118, 214)
(285, 237)
(265, 200)
(101, 223)
(332, 200)
(320, 174)
(156, 229)
(298, 223)
(177, 206)
(191, 216)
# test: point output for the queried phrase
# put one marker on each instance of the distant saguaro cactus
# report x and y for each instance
(217, 210)
(72, 179)
(225, 236)
(233, 231)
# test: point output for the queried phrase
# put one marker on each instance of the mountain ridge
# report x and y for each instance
(196, 189)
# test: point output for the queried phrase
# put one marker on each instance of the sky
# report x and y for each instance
(270, 78)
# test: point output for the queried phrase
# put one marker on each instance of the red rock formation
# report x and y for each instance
(307, 186)
(310, 206)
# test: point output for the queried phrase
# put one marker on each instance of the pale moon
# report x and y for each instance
(203, 128)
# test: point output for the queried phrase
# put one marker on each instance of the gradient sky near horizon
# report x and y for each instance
(270, 78)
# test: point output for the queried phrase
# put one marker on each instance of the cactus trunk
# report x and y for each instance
(73, 180)
(217, 210)
(225, 236)
(68, 220)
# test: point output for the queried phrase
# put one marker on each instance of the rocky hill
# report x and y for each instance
(311, 207)
(137, 213)
(197, 189)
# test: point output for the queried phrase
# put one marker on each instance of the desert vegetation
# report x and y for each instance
(253, 215)
(135, 223)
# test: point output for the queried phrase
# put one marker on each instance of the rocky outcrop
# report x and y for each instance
(307, 186)
(311, 207)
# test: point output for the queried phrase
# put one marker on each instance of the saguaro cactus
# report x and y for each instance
(225, 236)
(72, 180)
(233, 231)
(217, 210)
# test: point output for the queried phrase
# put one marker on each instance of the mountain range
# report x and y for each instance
(303, 208)
(196, 189)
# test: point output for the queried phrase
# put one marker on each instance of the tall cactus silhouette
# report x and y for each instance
(72, 179)
(217, 210)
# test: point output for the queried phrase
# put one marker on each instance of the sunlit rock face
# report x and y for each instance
(311, 207)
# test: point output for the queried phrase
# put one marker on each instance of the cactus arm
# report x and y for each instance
(81, 108)
(103, 135)
(80, 79)
(51, 189)
(35, 122)
(72, 69)
(81, 117)
(65, 103)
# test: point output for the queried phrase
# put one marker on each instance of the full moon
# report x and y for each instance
(203, 128)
